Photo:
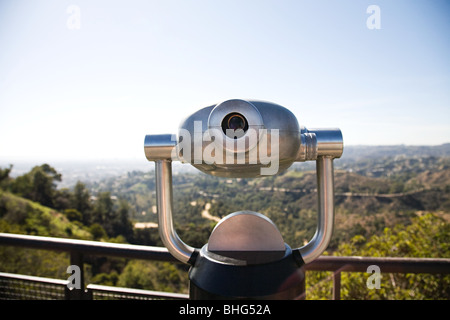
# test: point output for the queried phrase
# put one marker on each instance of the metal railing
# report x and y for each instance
(24, 287)
(338, 265)
(28, 287)
(21, 287)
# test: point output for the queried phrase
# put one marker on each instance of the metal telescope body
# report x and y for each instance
(245, 256)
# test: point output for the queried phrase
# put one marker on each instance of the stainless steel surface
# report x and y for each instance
(325, 223)
(273, 140)
(246, 231)
(247, 237)
(246, 108)
(329, 142)
(180, 250)
(308, 147)
(249, 112)
(269, 146)
(320, 142)
(160, 147)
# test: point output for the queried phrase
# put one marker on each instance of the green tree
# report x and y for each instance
(62, 199)
(113, 215)
(38, 185)
(160, 276)
(106, 279)
(97, 231)
(121, 223)
(103, 211)
(73, 215)
(4, 176)
(81, 202)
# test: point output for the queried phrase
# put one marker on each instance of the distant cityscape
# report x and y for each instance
(91, 170)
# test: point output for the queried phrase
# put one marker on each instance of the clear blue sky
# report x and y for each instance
(138, 67)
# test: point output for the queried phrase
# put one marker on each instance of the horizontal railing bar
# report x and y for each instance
(322, 263)
(386, 264)
(88, 247)
(136, 292)
(28, 278)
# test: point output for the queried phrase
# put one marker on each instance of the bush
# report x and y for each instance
(427, 237)
(73, 215)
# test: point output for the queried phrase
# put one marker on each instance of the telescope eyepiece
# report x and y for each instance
(234, 121)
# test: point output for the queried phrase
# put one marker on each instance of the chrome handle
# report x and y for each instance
(325, 223)
(170, 238)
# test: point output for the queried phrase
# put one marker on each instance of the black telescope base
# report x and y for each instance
(220, 277)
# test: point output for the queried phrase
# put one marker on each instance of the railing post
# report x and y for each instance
(302, 295)
(76, 258)
(336, 285)
(303, 290)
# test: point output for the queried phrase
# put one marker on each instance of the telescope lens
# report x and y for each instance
(234, 121)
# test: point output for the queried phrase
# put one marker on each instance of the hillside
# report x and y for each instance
(74, 214)
(23, 216)
(20, 215)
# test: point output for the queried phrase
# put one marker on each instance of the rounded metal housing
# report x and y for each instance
(249, 236)
(271, 141)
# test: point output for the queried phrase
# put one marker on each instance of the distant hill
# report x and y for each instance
(358, 152)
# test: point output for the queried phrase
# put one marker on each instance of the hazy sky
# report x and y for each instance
(89, 79)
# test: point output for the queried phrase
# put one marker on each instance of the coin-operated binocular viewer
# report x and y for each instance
(245, 257)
